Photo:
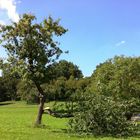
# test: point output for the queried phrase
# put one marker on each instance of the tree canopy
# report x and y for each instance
(66, 69)
(117, 76)
(30, 45)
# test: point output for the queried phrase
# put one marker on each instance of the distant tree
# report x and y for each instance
(58, 87)
(10, 84)
(63, 89)
(65, 76)
(31, 50)
(3, 91)
(83, 83)
(66, 69)
(9, 81)
(27, 91)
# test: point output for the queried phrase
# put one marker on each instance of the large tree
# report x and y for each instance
(32, 49)
(119, 76)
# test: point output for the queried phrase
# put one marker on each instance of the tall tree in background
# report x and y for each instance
(66, 69)
(10, 80)
(31, 50)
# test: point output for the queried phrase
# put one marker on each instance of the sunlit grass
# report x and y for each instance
(17, 119)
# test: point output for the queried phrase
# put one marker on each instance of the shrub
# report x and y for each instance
(102, 115)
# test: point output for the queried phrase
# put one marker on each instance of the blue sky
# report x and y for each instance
(98, 29)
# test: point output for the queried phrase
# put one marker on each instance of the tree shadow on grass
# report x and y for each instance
(59, 131)
(5, 103)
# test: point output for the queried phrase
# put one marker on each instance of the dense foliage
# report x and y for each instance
(101, 115)
(110, 100)
(119, 76)
(65, 69)
(59, 87)
(27, 91)
(3, 91)
(63, 89)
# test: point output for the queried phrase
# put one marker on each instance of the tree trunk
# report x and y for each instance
(40, 111)
(41, 105)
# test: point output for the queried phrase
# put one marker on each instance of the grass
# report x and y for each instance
(17, 119)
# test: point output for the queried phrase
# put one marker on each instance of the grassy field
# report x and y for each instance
(16, 123)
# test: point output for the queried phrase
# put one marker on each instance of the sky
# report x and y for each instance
(97, 29)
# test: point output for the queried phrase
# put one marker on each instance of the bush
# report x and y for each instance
(102, 115)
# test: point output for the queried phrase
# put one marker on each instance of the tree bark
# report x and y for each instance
(41, 105)
(40, 111)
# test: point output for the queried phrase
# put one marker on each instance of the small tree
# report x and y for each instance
(31, 50)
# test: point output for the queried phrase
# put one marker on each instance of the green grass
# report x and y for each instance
(17, 119)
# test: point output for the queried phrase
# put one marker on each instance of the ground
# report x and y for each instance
(17, 119)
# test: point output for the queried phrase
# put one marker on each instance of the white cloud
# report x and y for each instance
(10, 7)
(120, 43)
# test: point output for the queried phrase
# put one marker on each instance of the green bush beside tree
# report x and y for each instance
(102, 115)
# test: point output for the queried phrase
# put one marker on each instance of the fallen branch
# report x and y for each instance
(47, 110)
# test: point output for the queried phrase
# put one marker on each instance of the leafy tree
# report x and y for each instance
(9, 81)
(119, 76)
(83, 83)
(65, 76)
(56, 90)
(27, 91)
(3, 91)
(31, 50)
(62, 89)
(66, 69)
(62, 83)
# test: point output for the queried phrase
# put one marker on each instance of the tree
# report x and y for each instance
(119, 76)
(65, 76)
(27, 91)
(3, 91)
(66, 69)
(31, 50)
(60, 75)
(10, 81)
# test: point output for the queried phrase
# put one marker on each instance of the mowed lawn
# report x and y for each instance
(17, 119)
